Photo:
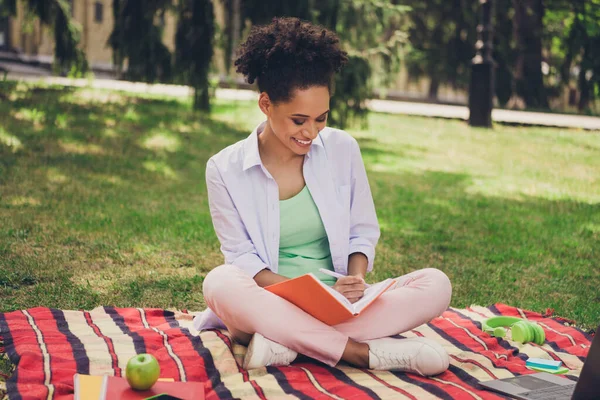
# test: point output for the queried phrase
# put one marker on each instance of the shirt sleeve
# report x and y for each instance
(236, 245)
(364, 228)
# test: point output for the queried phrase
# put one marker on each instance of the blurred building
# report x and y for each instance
(31, 42)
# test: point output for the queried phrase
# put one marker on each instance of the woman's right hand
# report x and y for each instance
(352, 287)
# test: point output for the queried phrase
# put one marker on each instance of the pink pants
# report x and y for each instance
(246, 308)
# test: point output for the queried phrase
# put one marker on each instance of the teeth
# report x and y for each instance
(302, 141)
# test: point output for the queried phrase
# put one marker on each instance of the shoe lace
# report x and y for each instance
(402, 360)
(280, 354)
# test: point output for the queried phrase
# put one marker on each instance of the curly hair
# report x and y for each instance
(290, 54)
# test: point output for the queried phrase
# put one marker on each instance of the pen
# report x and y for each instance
(335, 274)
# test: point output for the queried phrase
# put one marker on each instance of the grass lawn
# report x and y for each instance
(103, 202)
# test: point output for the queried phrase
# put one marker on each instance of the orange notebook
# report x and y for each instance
(89, 387)
(116, 388)
(324, 303)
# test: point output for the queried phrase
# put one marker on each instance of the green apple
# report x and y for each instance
(142, 371)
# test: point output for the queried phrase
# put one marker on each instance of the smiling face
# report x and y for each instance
(297, 122)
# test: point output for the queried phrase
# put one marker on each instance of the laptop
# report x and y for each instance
(545, 386)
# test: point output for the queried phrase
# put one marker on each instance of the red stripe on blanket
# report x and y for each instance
(193, 364)
(469, 335)
(142, 324)
(30, 367)
(474, 356)
(60, 351)
(107, 340)
(295, 381)
(396, 389)
(331, 383)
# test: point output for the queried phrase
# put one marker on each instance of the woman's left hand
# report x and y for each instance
(352, 287)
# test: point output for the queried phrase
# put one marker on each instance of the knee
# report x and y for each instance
(218, 281)
(440, 287)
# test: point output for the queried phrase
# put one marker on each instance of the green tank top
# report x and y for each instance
(303, 243)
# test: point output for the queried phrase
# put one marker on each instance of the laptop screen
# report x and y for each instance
(587, 386)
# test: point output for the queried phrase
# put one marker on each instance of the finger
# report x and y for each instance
(353, 299)
(349, 280)
(354, 294)
(348, 288)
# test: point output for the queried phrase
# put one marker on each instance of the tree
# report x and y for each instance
(527, 33)
(372, 33)
(503, 51)
(442, 36)
(56, 14)
(579, 45)
(137, 39)
(194, 48)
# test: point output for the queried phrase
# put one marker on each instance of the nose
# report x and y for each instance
(312, 132)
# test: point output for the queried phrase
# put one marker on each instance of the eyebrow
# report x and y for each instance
(307, 116)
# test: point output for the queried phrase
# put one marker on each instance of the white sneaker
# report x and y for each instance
(263, 352)
(421, 355)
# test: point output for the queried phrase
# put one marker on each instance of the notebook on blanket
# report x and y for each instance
(88, 387)
(323, 302)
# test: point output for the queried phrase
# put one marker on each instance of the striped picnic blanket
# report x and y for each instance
(48, 346)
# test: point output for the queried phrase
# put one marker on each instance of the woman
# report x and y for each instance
(293, 198)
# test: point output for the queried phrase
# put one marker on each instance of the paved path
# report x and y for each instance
(498, 115)
(388, 106)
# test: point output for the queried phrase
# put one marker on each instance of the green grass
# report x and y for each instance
(103, 202)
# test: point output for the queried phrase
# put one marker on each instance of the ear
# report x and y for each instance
(265, 104)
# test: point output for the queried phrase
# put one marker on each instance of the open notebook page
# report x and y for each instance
(370, 293)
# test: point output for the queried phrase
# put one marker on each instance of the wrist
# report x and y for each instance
(357, 265)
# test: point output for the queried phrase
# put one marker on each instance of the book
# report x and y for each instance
(89, 387)
(117, 388)
(323, 302)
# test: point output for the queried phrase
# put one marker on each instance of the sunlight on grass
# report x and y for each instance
(10, 141)
(506, 162)
(161, 168)
(163, 141)
(517, 188)
(54, 176)
(23, 201)
(131, 115)
(81, 148)
(32, 115)
(104, 178)
(188, 128)
(592, 228)
(110, 133)
(61, 121)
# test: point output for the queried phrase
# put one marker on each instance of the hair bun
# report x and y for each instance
(289, 53)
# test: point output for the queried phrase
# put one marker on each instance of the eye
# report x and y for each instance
(298, 122)
(321, 119)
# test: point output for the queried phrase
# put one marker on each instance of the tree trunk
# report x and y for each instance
(434, 85)
(201, 98)
(585, 88)
(527, 32)
(236, 26)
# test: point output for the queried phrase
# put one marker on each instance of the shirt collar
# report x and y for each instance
(252, 155)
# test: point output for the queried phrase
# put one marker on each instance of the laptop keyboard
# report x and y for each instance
(552, 393)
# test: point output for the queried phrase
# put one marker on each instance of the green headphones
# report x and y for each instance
(522, 331)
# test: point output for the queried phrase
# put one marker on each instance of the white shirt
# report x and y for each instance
(244, 201)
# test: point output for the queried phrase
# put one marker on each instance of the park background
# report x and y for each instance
(102, 194)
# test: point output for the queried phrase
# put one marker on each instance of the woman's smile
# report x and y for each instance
(302, 143)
